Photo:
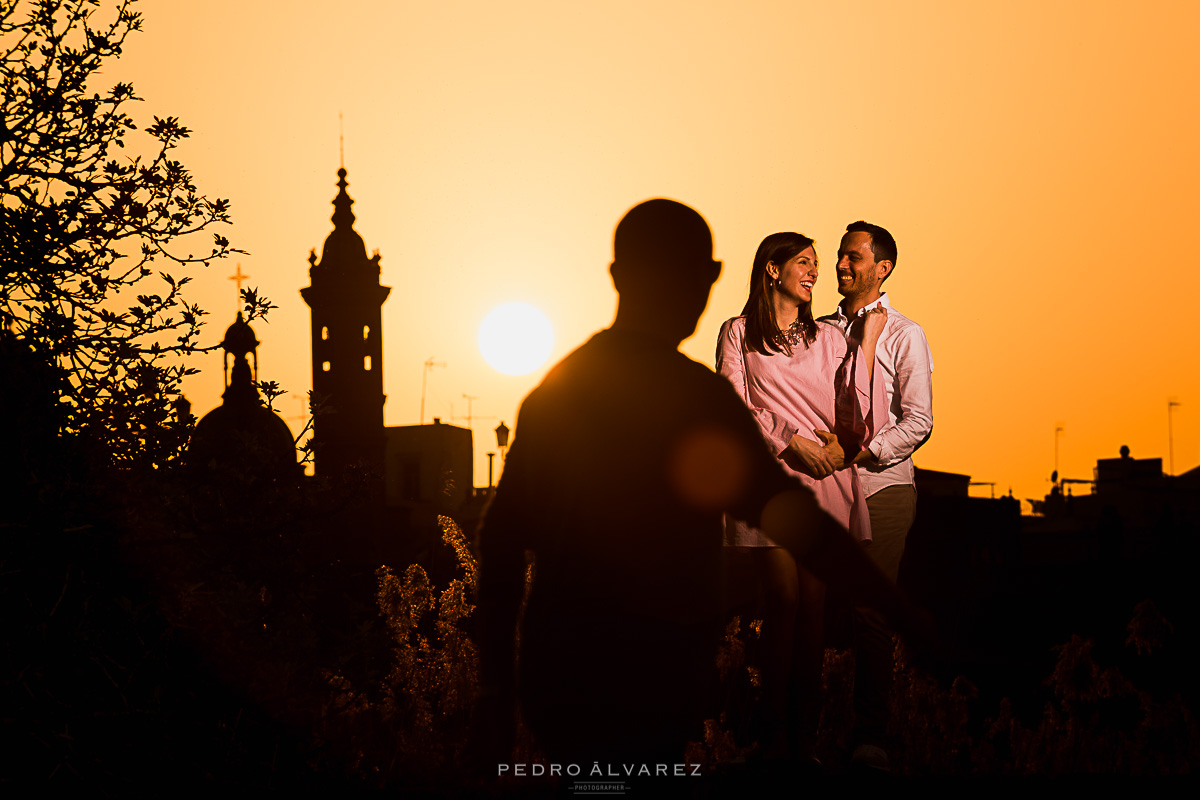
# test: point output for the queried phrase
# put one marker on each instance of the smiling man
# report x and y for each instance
(866, 257)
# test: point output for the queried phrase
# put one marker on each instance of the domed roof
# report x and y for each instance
(239, 338)
(245, 438)
(242, 436)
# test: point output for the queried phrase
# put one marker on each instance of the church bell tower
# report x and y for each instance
(346, 299)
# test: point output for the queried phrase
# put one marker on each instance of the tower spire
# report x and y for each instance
(343, 217)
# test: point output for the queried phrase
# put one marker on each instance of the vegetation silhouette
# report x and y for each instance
(89, 208)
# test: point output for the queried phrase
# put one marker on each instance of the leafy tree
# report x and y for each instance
(83, 220)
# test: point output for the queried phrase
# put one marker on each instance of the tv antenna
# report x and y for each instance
(429, 365)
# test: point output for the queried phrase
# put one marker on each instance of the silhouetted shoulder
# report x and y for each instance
(611, 353)
(625, 424)
(630, 447)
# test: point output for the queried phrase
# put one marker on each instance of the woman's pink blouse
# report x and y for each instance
(823, 386)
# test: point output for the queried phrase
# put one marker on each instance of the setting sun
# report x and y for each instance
(515, 338)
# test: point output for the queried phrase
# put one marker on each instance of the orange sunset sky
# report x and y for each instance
(1036, 161)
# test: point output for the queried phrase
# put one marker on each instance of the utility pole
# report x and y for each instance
(429, 365)
(469, 399)
(1057, 430)
(1171, 405)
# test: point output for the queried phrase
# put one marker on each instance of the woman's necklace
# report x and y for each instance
(794, 333)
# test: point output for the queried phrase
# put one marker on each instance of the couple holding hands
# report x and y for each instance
(843, 401)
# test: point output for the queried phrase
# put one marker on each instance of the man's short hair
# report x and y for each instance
(883, 244)
(664, 236)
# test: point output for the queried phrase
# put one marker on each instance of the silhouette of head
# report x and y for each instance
(663, 267)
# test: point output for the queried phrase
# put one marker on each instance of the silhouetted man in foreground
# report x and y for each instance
(625, 458)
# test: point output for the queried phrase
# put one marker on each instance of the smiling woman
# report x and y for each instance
(515, 338)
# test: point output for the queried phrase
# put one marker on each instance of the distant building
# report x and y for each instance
(959, 549)
(1117, 474)
(242, 436)
(934, 483)
(347, 346)
(428, 466)
(420, 467)
(1131, 507)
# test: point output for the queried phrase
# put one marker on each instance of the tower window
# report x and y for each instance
(367, 363)
(324, 366)
(324, 332)
(366, 332)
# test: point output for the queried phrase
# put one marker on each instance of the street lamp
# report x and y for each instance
(502, 443)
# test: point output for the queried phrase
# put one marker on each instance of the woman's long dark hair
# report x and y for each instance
(762, 329)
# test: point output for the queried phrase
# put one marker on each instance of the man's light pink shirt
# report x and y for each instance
(906, 362)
